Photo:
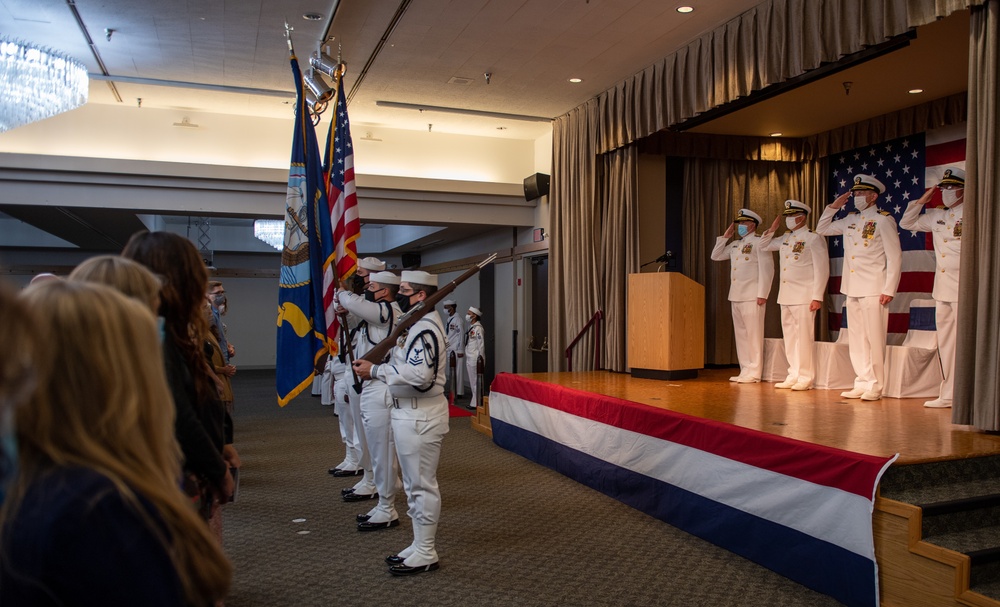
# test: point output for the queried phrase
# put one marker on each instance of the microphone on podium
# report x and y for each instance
(665, 258)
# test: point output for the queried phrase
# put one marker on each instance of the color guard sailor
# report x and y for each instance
(475, 346)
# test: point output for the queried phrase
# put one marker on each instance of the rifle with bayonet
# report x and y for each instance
(377, 354)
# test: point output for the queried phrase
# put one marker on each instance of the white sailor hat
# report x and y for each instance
(867, 183)
(419, 277)
(794, 206)
(372, 264)
(475, 311)
(384, 278)
(953, 176)
(449, 302)
(747, 215)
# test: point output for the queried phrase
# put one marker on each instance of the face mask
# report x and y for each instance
(742, 230)
(949, 197)
(222, 309)
(860, 203)
(791, 222)
(218, 299)
(404, 302)
(468, 318)
(358, 284)
(370, 295)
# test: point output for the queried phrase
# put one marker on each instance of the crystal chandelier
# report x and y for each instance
(36, 83)
(271, 231)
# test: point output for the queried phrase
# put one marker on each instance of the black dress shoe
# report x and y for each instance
(369, 526)
(404, 570)
(362, 518)
(342, 473)
(394, 559)
(359, 497)
(347, 490)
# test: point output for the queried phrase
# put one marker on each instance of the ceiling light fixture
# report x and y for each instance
(915, 91)
(685, 9)
(186, 122)
(576, 80)
(36, 84)
(271, 231)
(312, 16)
(775, 134)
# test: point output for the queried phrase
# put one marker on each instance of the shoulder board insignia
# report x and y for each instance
(887, 213)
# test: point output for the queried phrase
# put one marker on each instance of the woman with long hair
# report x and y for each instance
(203, 428)
(95, 515)
(18, 374)
(125, 275)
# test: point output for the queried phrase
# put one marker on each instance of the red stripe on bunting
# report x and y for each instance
(852, 472)
(949, 152)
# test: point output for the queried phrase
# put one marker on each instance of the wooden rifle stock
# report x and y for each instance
(377, 354)
(348, 348)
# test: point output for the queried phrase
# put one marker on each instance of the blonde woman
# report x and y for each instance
(95, 515)
(18, 374)
(130, 277)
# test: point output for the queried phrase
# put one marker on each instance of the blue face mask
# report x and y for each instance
(742, 229)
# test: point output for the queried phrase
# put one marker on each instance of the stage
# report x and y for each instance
(821, 417)
(786, 479)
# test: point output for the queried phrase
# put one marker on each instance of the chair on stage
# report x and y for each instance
(913, 368)
(775, 362)
(834, 370)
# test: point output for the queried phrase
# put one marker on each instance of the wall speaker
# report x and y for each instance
(536, 186)
(410, 260)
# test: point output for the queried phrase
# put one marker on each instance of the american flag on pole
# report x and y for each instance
(344, 217)
(907, 166)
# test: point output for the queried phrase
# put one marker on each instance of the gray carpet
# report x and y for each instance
(511, 533)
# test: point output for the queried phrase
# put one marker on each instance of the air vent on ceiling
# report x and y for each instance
(459, 80)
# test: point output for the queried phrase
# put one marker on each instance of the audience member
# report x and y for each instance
(18, 374)
(95, 516)
(127, 276)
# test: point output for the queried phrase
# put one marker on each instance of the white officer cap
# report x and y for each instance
(747, 215)
(419, 277)
(794, 206)
(372, 264)
(475, 311)
(953, 176)
(449, 302)
(867, 183)
(384, 278)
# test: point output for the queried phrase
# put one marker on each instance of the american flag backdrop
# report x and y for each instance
(907, 166)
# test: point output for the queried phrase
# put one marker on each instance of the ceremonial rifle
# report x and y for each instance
(377, 354)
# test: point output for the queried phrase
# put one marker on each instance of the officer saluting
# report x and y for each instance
(805, 269)
(872, 264)
(750, 282)
(945, 225)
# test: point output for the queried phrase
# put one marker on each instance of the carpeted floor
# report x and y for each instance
(511, 533)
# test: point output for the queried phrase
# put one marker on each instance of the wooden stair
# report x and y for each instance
(941, 547)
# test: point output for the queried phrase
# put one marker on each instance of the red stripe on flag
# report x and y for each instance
(949, 152)
(899, 322)
(916, 282)
(834, 284)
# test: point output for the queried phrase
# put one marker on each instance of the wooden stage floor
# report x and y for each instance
(885, 427)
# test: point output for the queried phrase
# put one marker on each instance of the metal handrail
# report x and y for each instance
(595, 321)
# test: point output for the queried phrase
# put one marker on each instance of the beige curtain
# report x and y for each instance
(770, 43)
(713, 191)
(977, 372)
(619, 246)
(574, 225)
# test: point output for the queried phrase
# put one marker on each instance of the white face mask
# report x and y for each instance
(949, 197)
(791, 222)
(468, 318)
(860, 203)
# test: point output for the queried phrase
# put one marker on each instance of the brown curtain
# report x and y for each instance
(713, 191)
(619, 246)
(977, 365)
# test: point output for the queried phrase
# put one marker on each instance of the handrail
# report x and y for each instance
(595, 321)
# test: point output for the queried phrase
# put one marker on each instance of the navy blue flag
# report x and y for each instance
(300, 321)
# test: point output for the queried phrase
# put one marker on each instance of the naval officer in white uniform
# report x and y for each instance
(945, 224)
(456, 344)
(750, 283)
(870, 277)
(419, 411)
(804, 270)
(475, 346)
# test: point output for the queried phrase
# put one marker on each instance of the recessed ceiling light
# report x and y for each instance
(685, 9)
(312, 16)
(915, 91)
(576, 80)
(775, 134)
(501, 128)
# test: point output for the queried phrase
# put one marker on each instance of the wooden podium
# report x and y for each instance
(665, 326)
